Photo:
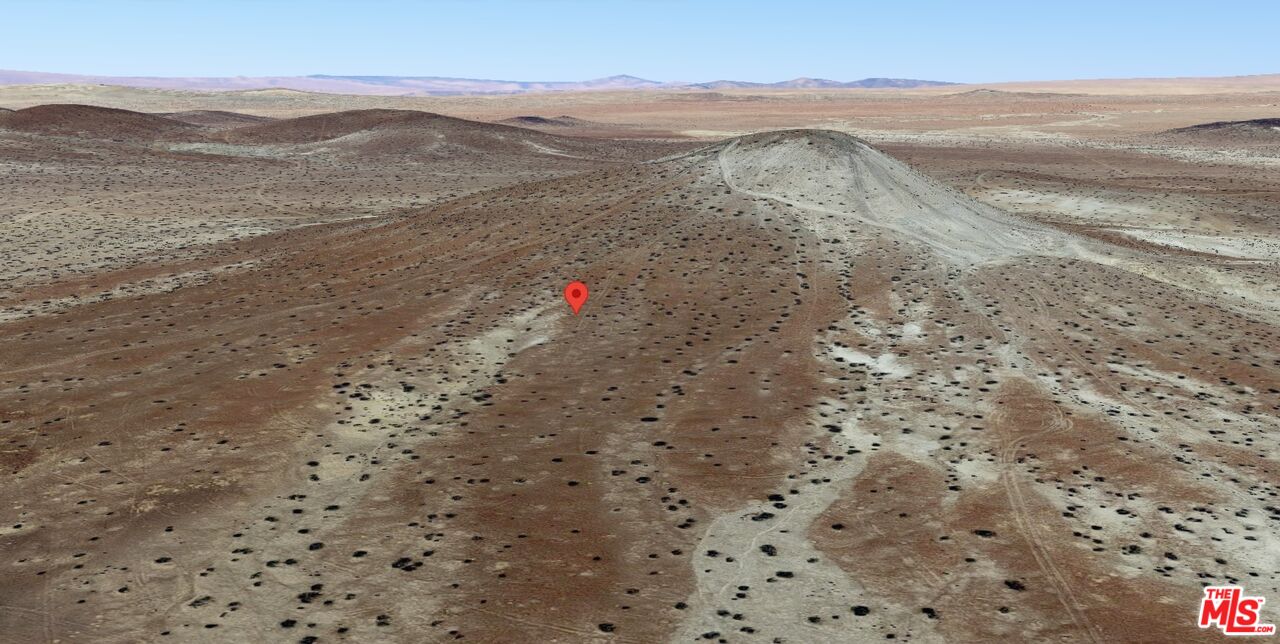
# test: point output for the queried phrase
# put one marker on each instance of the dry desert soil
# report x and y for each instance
(915, 366)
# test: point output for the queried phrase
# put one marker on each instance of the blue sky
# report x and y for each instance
(658, 39)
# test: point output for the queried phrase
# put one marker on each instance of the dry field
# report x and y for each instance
(958, 365)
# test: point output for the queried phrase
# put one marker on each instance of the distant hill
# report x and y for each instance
(350, 134)
(324, 127)
(215, 118)
(545, 121)
(93, 122)
(1256, 131)
(444, 85)
(430, 85)
(371, 133)
(1001, 95)
(822, 83)
(1255, 125)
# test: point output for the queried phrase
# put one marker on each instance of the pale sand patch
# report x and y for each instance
(818, 588)
(1225, 245)
(885, 363)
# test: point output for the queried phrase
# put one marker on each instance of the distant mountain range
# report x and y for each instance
(822, 83)
(430, 85)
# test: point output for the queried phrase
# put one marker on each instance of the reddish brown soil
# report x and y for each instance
(313, 378)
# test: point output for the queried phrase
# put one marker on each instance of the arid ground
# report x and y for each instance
(954, 364)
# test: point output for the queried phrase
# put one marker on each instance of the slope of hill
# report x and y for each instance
(322, 127)
(215, 118)
(847, 179)
(399, 132)
(1252, 132)
(93, 122)
(546, 121)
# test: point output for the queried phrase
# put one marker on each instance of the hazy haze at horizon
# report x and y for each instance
(665, 40)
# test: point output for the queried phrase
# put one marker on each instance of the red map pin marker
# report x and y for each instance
(576, 295)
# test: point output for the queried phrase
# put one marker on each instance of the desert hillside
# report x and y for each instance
(311, 378)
